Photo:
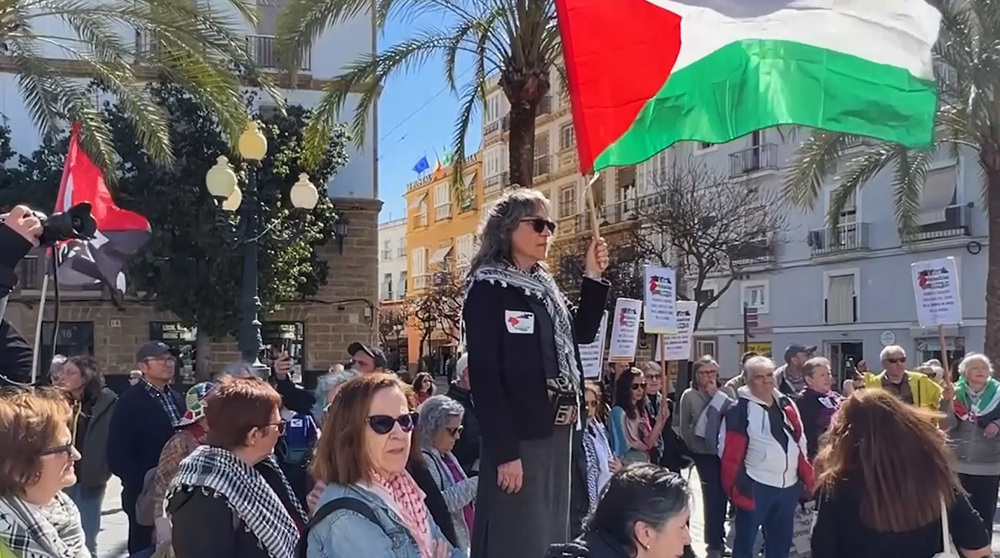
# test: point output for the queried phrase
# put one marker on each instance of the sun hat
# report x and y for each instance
(197, 401)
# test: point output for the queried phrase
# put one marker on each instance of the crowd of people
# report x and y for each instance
(520, 457)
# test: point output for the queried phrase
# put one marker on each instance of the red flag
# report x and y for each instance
(120, 234)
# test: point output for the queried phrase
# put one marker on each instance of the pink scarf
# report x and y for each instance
(410, 501)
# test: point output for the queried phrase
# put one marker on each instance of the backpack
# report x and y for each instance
(297, 443)
(350, 504)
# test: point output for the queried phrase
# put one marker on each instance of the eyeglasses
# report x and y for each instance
(383, 424)
(455, 432)
(540, 224)
(65, 449)
(896, 360)
(592, 404)
(279, 425)
(638, 386)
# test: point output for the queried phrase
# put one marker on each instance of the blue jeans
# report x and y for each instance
(89, 501)
(774, 510)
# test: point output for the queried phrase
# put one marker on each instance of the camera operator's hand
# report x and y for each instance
(23, 221)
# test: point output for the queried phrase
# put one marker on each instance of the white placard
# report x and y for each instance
(625, 330)
(679, 344)
(935, 286)
(592, 354)
(660, 294)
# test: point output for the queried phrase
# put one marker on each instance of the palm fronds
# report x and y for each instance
(179, 40)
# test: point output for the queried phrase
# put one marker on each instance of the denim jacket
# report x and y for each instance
(345, 534)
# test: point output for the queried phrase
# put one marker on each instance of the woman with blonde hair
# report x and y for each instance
(874, 502)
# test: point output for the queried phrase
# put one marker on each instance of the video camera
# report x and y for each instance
(74, 223)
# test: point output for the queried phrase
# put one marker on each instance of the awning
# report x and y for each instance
(418, 200)
(470, 182)
(440, 255)
(938, 193)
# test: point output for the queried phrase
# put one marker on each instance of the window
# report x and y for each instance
(442, 201)
(469, 192)
(939, 192)
(386, 250)
(567, 137)
(419, 261)
(704, 347)
(849, 213)
(567, 201)
(387, 287)
(401, 250)
(755, 295)
(466, 247)
(421, 218)
(651, 173)
(542, 144)
(707, 292)
(840, 296)
(401, 289)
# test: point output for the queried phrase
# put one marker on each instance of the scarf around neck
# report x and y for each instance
(409, 499)
(248, 494)
(541, 286)
(51, 531)
(970, 405)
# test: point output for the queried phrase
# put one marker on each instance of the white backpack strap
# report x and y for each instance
(948, 548)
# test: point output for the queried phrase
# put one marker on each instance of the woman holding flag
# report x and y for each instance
(972, 420)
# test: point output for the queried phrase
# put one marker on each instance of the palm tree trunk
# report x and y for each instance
(522, 142)
(992, 344)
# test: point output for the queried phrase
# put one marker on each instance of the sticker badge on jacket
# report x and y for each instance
(519, 322)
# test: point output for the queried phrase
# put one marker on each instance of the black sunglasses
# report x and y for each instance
(639, 386)
(66, 449)
(896, 360)
(455, 432)
(383, 424)
(540, 224)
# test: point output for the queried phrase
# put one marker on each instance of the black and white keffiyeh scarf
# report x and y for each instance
(541, 286)
(51, 531)
(247, 493)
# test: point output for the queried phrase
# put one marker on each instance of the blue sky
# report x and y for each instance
(416, 116)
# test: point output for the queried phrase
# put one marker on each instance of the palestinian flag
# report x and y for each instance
(120, 233)
(645, 74)
(985, 410)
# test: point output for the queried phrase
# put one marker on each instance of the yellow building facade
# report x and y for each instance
(440, 238)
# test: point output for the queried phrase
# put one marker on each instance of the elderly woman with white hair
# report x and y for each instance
(327, 387)
(972, 420)
(440, 425)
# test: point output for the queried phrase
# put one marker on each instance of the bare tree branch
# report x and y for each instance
(439, 308)
(706, 225)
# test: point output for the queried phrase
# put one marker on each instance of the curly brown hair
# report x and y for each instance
(29, 424)
(872, 444)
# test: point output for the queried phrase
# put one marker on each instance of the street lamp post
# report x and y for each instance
(222, 184)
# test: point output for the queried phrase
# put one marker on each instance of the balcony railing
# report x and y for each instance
(491, 128)
(505, 123)
(264, 53)
(420, 281)
(957, 222)
(845, 237)
(752, 252)
(756, 158)
(493, 182)
(542, 165)
(420, 220)
(610, 214)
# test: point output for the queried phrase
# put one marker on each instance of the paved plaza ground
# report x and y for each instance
(114, 524)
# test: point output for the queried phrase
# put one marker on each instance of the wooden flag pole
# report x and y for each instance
(594, 226)
(944, 355)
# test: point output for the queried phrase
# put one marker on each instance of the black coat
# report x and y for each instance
(508, 368)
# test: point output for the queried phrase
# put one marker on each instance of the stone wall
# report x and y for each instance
(338, 315)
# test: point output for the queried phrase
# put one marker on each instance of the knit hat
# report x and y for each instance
(197, 402)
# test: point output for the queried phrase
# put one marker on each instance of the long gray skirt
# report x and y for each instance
(524, 524)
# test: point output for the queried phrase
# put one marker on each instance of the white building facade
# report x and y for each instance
(846, 290)
(392, 260)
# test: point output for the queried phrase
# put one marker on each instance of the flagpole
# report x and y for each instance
(38, 329)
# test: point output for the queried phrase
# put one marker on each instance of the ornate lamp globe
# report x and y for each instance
(221, 180)
(304, 194)
(252, 143)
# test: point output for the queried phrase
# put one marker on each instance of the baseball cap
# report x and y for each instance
(796, 348)
(377, 355)
(196, 402)
(151, 349)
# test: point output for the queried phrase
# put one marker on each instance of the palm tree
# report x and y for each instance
(516, 39)
(178, 40)
(968, 118)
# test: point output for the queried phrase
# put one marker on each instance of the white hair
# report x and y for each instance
(756, 363)
(891, 350)
(973, 358)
